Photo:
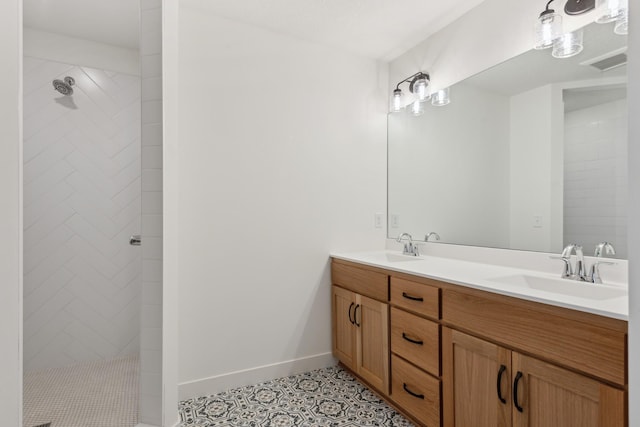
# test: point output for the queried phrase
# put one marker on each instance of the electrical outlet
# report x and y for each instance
(395, 221)
(537, 221)
(378, 218)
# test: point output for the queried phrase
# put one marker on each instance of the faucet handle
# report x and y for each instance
(594, 271)
(567, 271)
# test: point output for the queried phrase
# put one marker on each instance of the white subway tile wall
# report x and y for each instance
(151, 115)
(82, 202)
(596, 177)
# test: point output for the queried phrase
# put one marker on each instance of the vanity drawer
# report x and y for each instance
(364, 282)
(415, 392)
(416, 339)
(416, 297)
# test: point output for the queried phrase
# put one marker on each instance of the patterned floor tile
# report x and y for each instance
(328, 397)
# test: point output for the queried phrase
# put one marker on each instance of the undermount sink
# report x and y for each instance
(562, 286)
(387, 257)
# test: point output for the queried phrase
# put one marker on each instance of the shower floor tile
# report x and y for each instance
(328, 397)
(98, 394)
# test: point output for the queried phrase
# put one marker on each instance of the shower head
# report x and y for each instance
(64, 86)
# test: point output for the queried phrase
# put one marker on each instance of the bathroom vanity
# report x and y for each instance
(447, 345)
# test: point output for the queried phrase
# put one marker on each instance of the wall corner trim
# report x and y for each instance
(245, 377)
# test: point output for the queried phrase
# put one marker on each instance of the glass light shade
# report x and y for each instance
(568, 45)
(417, 108)
(548, 29)
(440, 98)
(420, 89)
(610, 10)
(622, 25)
(396, 103)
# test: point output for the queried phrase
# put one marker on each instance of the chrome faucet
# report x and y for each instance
(594, 271)
(431, 234)
(579, 273)
(409, 247)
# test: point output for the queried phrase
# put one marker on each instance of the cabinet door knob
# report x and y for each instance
(350, 319)
(411, 340)
(419, 396)
(515, 392)
(499, 383)
(355, 316)
(412, 298)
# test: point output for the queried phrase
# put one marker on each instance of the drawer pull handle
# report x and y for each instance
(410, 340)
(419, 396)
(355, 316)
(515, 392)
(499, 385)
(407, 296)
(350, 319)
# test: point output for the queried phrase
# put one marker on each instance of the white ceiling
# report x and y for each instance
(380, 29)
(113, 22)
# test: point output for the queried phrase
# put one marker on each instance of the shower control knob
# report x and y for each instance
(135, 240)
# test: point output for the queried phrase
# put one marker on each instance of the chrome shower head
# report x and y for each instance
(64, 86)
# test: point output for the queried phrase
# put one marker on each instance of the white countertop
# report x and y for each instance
(479, 276)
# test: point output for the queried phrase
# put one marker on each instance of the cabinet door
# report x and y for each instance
(476, 382)
(546, 395)
(344, 330)
(372, 319)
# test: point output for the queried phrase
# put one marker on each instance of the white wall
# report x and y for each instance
(151, 325)
(71, 50)
(536, 169)
(596, 176)
(81, 204)
(281, 158)
(634, 212)
(424, 191)
(11, 214)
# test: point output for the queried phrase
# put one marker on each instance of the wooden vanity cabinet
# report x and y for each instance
(447, 355)
(361, 324)
(486, 385)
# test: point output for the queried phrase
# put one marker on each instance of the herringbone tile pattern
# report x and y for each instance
(81, 203)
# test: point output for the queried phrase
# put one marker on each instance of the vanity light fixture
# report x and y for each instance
(568, 45)
(548, 28)
(611, 10)
(440, 98)
(578, 7)
(418, 85)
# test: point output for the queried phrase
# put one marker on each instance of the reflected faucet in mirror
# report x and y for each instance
(410, 248)
(430, 235)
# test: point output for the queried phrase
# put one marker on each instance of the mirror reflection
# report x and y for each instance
(529, 155)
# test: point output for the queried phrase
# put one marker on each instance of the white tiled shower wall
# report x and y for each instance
(596, 177)
(151, 326)
(81, 203)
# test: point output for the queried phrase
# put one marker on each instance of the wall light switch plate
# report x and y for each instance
(395, 221)
(378, 220)
(537, 221)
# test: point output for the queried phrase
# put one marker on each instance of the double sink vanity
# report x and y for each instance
(457, 343)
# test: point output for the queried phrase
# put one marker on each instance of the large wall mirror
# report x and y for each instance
(529, 155)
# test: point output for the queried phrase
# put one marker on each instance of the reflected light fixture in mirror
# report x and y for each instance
(417, 108)
(611, 10)
(568, 45)
(440, 98)
(548, 28)
(622, 25)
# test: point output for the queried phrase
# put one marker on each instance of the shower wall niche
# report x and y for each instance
(82, 201)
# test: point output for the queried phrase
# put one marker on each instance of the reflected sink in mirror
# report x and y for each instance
(562, 286)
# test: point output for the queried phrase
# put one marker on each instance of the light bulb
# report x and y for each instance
(420, 89)
(568, 45)
(610, 10)
(396, 104)
(548, 29)
(417, 108)
(622, 25)
(440, 98)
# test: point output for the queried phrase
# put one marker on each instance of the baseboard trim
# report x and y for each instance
(220, 383)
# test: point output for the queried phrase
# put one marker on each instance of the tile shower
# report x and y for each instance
(82, 201)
